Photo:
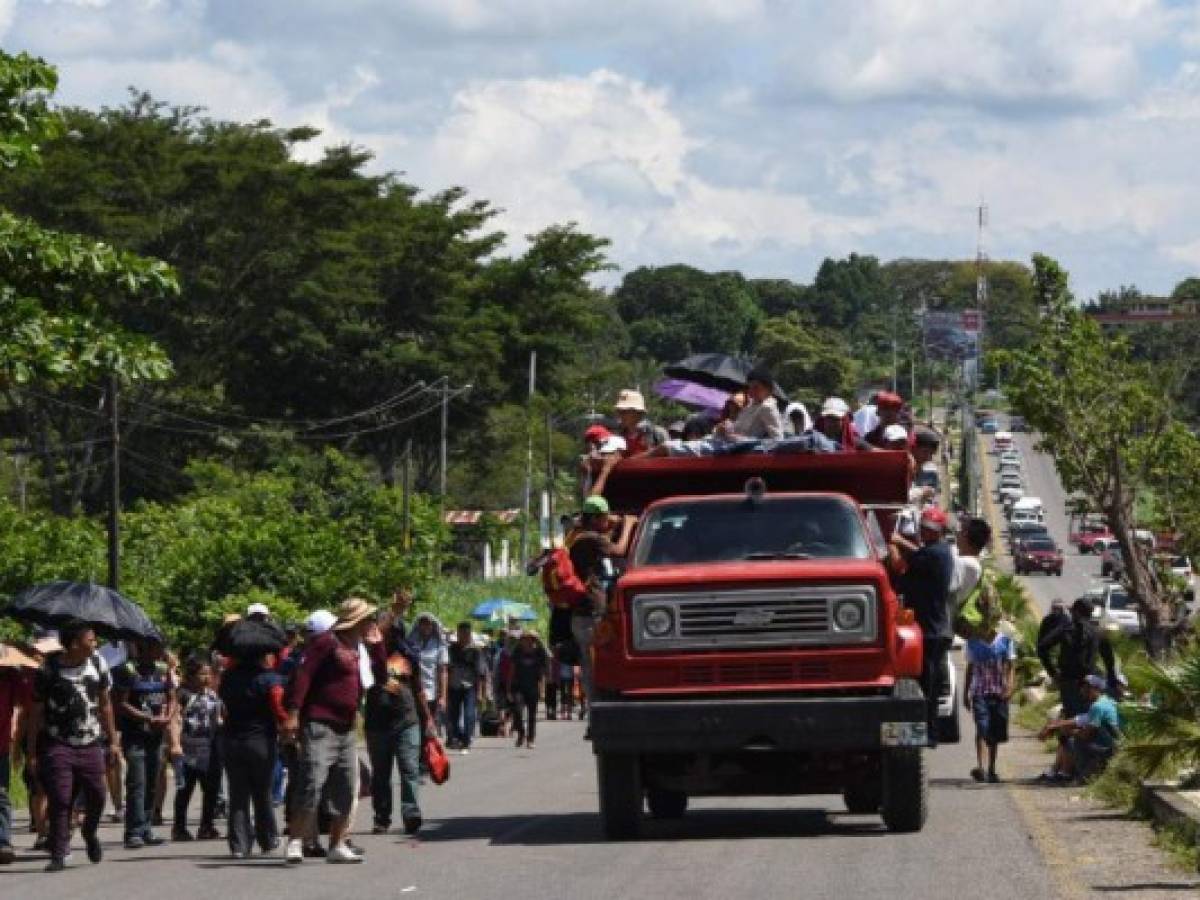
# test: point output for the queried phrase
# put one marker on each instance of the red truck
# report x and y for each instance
(753, 644)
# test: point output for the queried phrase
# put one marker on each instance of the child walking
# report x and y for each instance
(200, 717)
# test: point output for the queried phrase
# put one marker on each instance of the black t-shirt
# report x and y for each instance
(589, 550)
(468, 667)
(528, 668)
(926, 587)
(245, 692)
(145, 687)
(385, 710)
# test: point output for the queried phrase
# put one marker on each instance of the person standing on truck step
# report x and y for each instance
(591, 552)
(640, 433)
(925, 585)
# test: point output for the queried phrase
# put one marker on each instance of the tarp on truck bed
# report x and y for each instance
(880, 477)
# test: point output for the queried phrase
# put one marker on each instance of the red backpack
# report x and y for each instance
(560, 581)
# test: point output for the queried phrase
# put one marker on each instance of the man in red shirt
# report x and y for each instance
(322, 710)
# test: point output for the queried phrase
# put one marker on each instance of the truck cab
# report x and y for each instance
(753, 644)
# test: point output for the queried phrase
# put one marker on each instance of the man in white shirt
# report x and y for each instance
(968, 583)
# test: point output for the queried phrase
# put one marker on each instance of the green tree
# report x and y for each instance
(1107, 420)
(811, 362)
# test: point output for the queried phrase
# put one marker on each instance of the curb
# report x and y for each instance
(1168, 806)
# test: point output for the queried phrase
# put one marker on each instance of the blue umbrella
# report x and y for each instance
(498, 608)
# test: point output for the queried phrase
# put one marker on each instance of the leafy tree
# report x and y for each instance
(810, 361)
(1107, 420)
(674, 311)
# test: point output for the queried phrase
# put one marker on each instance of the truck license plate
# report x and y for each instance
(903, 734)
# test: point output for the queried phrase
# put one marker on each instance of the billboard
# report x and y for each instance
(951, 335)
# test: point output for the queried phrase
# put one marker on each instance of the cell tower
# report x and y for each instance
(981, 258)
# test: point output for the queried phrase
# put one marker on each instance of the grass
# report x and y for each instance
(1179, 843)
(16, 790)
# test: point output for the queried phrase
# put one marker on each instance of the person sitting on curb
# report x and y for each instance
(1092, 736)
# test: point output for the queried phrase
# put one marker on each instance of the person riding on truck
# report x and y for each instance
(925, 585)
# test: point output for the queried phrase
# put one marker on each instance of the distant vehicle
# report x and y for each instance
(1017, 423)
(1116, 611)
(1009, 465)
(1112, 563)
(1024, 516)
(989, 426)
(1010, 456)
(1029, 505)
(1038, 555)
(1020, 531)
(1095, 541)
(1010, 487)
(1004, 440)
(1088, 528)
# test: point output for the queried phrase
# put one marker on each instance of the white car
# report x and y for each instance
(1011, 490)
(1010, 457)
(1028, 506)
(1003, 440)
(1116, 611)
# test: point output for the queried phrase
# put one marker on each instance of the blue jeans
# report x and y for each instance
(461, 714)
(401, 746)
(5, 801)
(142, 759)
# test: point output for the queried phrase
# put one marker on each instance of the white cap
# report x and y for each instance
(895, 433)
(319, 622)
(257, 609)
(835, 406)
(614, 443)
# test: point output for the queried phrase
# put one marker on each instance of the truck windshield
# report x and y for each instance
(705, 531)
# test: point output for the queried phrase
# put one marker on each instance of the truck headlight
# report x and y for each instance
(658, 622)
(848, 615)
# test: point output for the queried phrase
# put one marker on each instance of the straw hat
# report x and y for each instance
(352, 611)
(12, 658)
(630, 401)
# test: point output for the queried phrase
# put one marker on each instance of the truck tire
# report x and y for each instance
(620, 781)
(666, 804)
(863, 798)
(905, 790)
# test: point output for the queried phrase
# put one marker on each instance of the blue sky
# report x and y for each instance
(760, 135)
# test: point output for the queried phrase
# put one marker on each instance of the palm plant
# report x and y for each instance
(1163, 734)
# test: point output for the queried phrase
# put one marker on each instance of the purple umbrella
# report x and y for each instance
(692, 395)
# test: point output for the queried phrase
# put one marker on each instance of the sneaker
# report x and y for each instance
(208, 834)
(95, 852)
(314, 851)
(41, 845)
(353, 847)
(977, 774)
(7, 855)
(993, 778)
(295, 852)
(134, 843)
(55, 865)
(240, 854)
(269, 847)
(181, 835)
(413, 825)
(341, 854)
(152, 840)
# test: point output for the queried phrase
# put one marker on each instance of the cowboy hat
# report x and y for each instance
(352, 611)
(630, 400)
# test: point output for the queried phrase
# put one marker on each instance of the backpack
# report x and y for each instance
(561, 583)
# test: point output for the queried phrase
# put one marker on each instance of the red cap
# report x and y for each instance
(888, 400)
(597, 434)
(933, 517)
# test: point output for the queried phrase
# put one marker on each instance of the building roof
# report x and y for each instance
(464, 518)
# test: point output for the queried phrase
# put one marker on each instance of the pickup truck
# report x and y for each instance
(753, 643)
(1038, 555)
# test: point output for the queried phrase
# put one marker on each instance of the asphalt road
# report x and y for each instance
(523, 824)
(1080, 571)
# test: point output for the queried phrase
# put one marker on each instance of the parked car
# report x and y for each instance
(989, 426)
(1008, 466)
(1017, 423)
(1112, 562)
(1116, 611)
(1096, 541)
(1004, 440)
(1038, 555)
(1027, 506)
(1010, 456)
(1087, 529)
(1010, 488)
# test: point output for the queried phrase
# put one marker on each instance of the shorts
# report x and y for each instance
(991, 719)
(328, 762)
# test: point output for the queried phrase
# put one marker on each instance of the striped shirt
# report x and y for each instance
(988, 660)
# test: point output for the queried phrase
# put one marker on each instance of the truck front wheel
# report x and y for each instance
(905, 790)
(620, 780)
(666, 804)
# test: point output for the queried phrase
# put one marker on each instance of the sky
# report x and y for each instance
(757, 135)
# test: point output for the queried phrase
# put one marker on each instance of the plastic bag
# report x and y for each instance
(436, 761)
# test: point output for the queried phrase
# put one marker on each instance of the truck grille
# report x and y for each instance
(778, 617)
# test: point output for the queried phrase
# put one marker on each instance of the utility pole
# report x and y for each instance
(445, 429)
(114, 481)
(525, 509)
(550, 472)
(406, 503)
(895, 374)
(981, 285)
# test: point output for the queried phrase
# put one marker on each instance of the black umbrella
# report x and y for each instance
(714, 370)
(108, 611)
(251, 638)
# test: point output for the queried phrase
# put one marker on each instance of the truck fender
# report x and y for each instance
(908, 651)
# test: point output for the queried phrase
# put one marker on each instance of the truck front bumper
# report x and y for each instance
(788, 724)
